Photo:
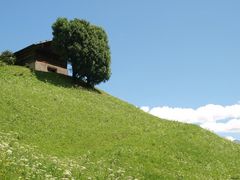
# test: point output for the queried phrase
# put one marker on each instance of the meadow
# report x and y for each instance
(51, 128)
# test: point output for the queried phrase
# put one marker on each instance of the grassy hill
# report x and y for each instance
(51, 128)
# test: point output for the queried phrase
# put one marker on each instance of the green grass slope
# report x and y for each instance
(51, 128)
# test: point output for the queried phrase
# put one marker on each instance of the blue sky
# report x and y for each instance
(164, 53)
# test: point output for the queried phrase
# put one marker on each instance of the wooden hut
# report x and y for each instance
(40, 57)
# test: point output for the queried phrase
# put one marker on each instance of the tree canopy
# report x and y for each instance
(7, 57)
(86, 47)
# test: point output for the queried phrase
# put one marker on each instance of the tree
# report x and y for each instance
(86, 47)
(7, 57)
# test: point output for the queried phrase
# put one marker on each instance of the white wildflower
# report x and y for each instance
(5, 145)
(48, 176)
(111, 175)
(67, 173)
(110, 169)
(9, 152)
(1, 146)
(83, 168)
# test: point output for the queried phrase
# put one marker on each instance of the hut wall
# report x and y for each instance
(46, 67)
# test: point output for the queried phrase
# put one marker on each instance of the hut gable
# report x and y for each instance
(40, 57)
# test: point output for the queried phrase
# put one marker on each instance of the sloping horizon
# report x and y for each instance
(164, 53)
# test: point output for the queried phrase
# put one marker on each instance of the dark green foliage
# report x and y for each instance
(2, 63)
(7, 57)
(86, 47)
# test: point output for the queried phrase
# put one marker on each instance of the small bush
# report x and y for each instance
(2, 63)
(7, 57)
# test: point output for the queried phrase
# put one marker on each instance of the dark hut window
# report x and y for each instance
(52, 69)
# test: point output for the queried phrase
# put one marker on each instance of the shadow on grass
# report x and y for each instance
(63, 81)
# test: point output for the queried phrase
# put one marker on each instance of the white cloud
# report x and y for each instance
(145, 108)
(207, 116)
(230, 126)
(230, 138)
